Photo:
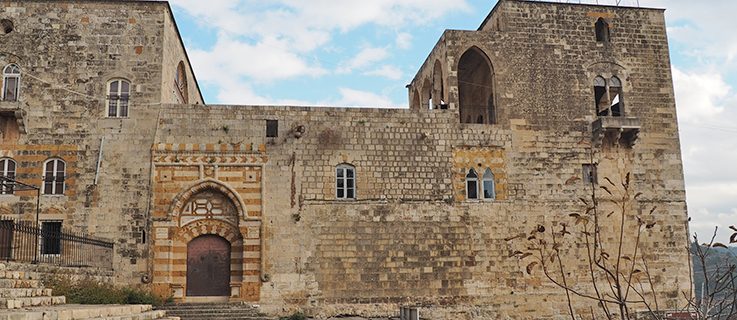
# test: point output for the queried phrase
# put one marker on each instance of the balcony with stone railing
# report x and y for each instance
(621, 131)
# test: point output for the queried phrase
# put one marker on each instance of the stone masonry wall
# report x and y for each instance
(410, 236)
(67, 52)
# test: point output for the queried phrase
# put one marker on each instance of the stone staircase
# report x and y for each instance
(20, 289)
(23, 297)
(224, 311)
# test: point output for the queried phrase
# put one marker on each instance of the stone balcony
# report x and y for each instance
(611, 131)
(11, 118)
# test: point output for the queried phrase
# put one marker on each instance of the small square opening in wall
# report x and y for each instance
(272, 128)
(589, 174)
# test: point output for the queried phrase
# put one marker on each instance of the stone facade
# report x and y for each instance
(515, 97)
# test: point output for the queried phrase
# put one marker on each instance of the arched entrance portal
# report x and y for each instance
(208, 266)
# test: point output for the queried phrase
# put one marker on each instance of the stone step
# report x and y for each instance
(219, 306)
(17, 303)
(25, 275)
(215, 312)
(87, 312)
(24, 292)
(19, 283)
(148, 315)
(221, 317)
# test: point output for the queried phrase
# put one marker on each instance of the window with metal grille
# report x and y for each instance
(118, 98)
(11, 82)
(51, 237)
(345, 182)
(272, 128)
(7, 169)
(54, 175)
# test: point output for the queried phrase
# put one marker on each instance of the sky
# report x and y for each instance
(363, 53)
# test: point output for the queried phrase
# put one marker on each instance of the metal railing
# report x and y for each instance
(27, 242)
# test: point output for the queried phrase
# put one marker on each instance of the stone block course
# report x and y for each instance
(410, 236)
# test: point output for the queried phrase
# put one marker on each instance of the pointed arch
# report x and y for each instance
(438, 87)
(472, 185)
(415, 102)
(180, 83)
(476, 93)
(184, 197)
(426, 102)
(488, 185)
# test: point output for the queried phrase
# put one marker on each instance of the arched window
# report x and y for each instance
(345, 182)
(476, 88)
(602, 30)
(600, 96)
(427, 98)
(11, 82)
(416, 100)
(118, 98)
(472, 185)
(488, 185)
(7, 171)
(438, 88)
(615, 96)
(180, 83)
(608, 97)
(54, 175)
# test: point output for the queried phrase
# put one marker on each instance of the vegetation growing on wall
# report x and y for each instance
(88, 291)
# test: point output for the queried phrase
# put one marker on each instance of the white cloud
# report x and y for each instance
(404, 40)
(707, 112)
(700, 95)
(703, 26)
(265, 61)
(364, 58)
(274, 40)
(386, 71)
(358, 98)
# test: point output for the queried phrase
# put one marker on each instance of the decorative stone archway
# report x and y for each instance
(208, 208)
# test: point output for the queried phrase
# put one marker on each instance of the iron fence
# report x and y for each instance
(49, 243)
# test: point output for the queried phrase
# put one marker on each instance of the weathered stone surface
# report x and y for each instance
(411, 236)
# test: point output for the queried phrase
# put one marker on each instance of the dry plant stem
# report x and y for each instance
(563, 276)
(557, 283)
(593, 276)
(623, 310)
(632, 268)
(650, 281)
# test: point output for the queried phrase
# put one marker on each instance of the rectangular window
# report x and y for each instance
(589, 174)
(11, 89)
(51, 237)
(345, 183)
(54, 177)
(272, 128)
(489, 189)
(472, 189)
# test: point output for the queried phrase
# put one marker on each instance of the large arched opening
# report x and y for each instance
(476, 88)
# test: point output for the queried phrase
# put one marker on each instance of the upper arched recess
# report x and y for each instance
(476, 92)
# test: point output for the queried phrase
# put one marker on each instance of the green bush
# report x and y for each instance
(88, 291)
(296, 316)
